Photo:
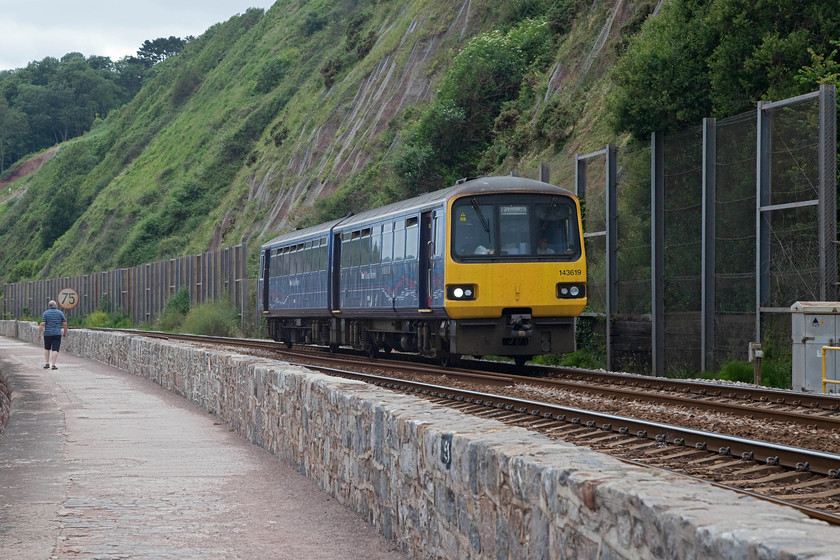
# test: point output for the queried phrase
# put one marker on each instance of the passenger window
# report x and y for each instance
(306, 258)
(399, 241)
(285, 263)
(439, 236)
(411, 240)
(353, 256)
(293, 267)
(364, 248)
(387, 245)
(345, 250)
(375, 248)
(316, 257)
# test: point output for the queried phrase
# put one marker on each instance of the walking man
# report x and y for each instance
(54, 326)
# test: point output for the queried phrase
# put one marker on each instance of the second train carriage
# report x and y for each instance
(490, 266)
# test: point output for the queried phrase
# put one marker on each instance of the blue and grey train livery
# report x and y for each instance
(492, 265)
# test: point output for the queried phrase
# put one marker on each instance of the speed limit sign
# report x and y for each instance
(68, 298)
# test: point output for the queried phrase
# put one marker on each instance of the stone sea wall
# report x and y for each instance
(443, 484)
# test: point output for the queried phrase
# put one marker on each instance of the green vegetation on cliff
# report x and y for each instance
(314, 108)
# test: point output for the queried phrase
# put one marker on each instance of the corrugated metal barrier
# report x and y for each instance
(141, 291)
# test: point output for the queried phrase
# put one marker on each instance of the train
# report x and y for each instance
(491, 266)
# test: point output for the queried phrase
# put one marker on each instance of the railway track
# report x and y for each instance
(801, 478)
(806, 477)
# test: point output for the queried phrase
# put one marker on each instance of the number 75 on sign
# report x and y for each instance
(68, 298)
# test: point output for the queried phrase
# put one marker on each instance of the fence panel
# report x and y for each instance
(735, 242)
(140, 291)
(683, 248)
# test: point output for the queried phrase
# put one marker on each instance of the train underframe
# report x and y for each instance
(515, 334)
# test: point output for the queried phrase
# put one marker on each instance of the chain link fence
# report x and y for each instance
(747, 228)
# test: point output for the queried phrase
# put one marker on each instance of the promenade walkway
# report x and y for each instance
(99, 464)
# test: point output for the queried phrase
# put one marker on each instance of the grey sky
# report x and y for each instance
(37, 29)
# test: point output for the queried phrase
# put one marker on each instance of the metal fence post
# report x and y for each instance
(827, 192)
(657, 252)
(707, 302)
(612, 245)
(762, 225)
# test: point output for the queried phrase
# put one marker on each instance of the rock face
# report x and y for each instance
(324, 154)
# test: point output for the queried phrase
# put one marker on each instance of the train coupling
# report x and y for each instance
(519, 325)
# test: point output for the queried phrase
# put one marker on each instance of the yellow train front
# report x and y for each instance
(515, 271)
(489, 266)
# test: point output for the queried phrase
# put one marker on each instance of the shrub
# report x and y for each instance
(314, 22)
(106, 320)
(21, 271)
(213, 318)
(172, 317)
(271, 74)
(186, 84)
(774, 373)
(97, 319)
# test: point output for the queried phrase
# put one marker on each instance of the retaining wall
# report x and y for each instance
(446, 485)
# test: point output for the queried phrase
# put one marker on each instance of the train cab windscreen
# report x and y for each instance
(515, 227)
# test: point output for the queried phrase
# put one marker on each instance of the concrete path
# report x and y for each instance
(98, 464)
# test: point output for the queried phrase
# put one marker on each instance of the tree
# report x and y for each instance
(662, 80)
(131, 71)
(762, 45)
(160, 49)
(60, 99)
(701, 58)
(13, 129)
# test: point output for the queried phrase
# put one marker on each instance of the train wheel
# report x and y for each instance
(520, 360)
(372, 351)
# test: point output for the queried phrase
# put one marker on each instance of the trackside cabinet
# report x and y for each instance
(814, 324)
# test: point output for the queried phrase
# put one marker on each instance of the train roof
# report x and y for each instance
(479, 185)
(303, 234)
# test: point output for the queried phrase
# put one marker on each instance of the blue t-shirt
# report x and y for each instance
(52, 319)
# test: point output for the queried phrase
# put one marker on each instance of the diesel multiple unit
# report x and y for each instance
(489, 266)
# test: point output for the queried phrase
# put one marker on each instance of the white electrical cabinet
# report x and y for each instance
(814, 324)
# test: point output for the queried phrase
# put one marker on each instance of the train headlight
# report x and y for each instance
(460, 292)
(571, 291)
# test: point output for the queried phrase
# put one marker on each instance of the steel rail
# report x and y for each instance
(702, 388)
(751, 410)
(770, 453)
(688, 393)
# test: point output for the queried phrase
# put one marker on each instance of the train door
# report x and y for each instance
(334, 274)
(427, 251)
(439, 238)
(265, 260)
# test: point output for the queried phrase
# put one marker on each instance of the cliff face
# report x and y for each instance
(362, 107)
(267, 113)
